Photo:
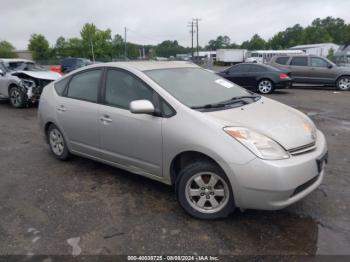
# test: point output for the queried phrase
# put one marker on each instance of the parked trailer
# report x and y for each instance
(230, 56)
(342, 56)
(264, 56)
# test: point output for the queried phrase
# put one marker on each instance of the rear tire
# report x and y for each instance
(57, 143)
(18, 98)
(343, 83)
(204, 191)
(265, 86)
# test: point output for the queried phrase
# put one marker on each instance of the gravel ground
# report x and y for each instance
(81, 206)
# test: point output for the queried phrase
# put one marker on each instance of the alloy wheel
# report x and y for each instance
(344, 83)
(56, 142)
(207, 192)
(16, 98)
(265, 86)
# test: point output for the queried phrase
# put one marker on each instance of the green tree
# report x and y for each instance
(255, 43)
(61, 47)
(170, 48)
(96, 42)
(219, 42)
(330, 55)
(39, 46)
(118, 46)
(7, 50)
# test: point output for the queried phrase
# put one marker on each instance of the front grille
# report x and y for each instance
(304, 186)
(302, 149)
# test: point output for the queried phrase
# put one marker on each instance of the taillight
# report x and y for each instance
(284, 76)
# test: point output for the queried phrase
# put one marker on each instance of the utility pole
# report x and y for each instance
(196, 20)
(191, 24)
(92, 49)
(125, 50)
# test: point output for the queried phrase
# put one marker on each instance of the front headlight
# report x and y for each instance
(260, 145)
(27, 83)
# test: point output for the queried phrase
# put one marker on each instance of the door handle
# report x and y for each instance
(61, 108)
(105, 119)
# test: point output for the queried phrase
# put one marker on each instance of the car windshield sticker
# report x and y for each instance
(224, 83)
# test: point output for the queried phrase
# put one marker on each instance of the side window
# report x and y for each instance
(318, 62)
(239, 69)
(282, 60)
(257, 68)
(85, 85)
(299, 61)
(61, 85)
(122, 88)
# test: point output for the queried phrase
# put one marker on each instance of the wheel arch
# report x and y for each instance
(11, 85)
(340, 76)
(46, 129)
(184, 158)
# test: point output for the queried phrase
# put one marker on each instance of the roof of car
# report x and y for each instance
(151, 65)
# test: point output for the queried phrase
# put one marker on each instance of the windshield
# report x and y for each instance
(3, 67)
(196, 87)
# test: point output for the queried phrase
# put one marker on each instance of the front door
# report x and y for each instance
(77, 112)
(321, 71)
(132, 141)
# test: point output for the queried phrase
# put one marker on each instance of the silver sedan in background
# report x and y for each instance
(220, 145)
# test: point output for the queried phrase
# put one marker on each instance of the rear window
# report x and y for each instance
(282, 60)
(69, 61)
(299, 61)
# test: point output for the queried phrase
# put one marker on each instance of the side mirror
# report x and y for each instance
(2, 73)
(329, 66)
(141, 107)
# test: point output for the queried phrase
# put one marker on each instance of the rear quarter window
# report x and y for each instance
(282, 60)
(60, 86)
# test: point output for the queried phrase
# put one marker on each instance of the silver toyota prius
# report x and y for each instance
(220, 145)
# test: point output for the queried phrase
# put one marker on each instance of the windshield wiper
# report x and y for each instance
(217, 105)
(242, 97)
(236, 99)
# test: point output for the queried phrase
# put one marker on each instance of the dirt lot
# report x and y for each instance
(48, 206)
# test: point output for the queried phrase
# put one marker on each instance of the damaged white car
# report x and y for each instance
(22, 81)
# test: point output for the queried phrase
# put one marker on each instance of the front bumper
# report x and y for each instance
(271, 185)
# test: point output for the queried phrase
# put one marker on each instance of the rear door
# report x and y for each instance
(299, 67)
(321, 71)
(77, 111)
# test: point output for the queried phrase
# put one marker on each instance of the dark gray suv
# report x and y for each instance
(311, 69)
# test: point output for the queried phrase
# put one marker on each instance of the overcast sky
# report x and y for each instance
(151, 21)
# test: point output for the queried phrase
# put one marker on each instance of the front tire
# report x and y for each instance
(204, 191)
(343, 83)
(57, 143)
(265, 86)
(18, 98)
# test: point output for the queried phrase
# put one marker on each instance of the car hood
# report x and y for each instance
(46, 75)
(287, 126)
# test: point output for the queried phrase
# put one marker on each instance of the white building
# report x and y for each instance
(317, 49)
